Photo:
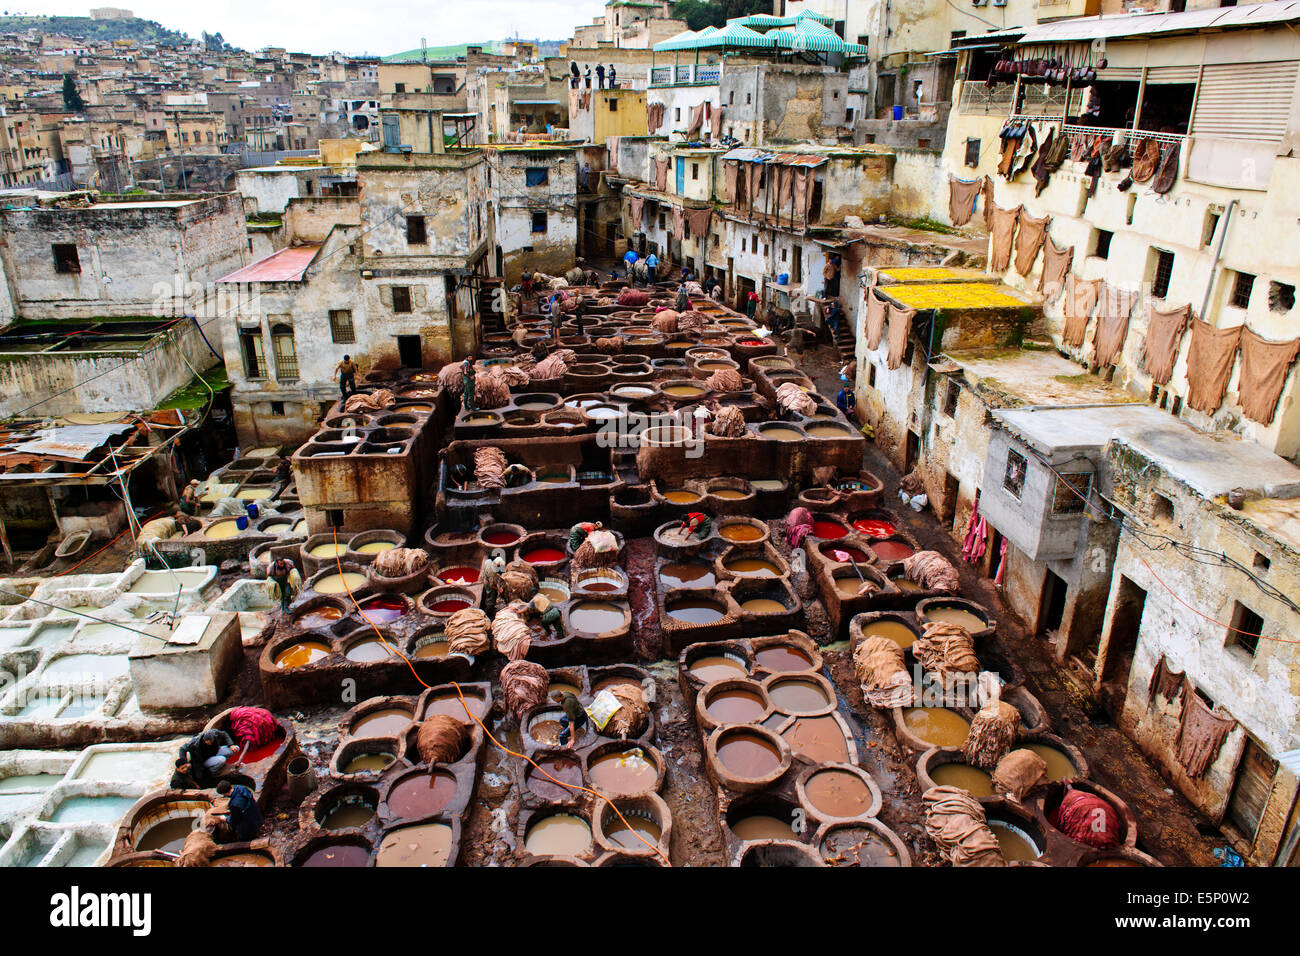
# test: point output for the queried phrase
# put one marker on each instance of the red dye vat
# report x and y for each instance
(259, 753)
(845, 554)
(382, 610)
(873, 528)
(750, 342)
(459, 575)
(449, 606)
(501, 538)
(829, 529)
(544, 555)
(892, 550)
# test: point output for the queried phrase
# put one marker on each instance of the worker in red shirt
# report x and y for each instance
(695, 523)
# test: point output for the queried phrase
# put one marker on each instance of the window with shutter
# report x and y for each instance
(1254, 781)
(1245, 100)
(286, 356)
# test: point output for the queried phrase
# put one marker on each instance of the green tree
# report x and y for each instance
(71, 98)
(699, 14)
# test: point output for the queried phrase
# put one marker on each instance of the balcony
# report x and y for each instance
(690, 74)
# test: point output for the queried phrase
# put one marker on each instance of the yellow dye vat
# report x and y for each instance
(954, 295)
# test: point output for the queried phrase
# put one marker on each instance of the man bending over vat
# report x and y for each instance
(202, 758)
(242, 813)
(574, 721)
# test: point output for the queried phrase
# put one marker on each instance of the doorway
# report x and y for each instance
(408, 351)
(1250, 793)
(1051, 611)
(1121, 644)
(913, 452)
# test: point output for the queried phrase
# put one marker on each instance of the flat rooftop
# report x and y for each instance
(1037, 377)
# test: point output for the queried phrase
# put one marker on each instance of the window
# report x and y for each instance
(1164, 270)
(1247, 626)
(1281, 297)
(341, 330)
(613, 105)
(65, 257)
(537, 176)
(1071, 494)
(401, 298)
(950, 399)
(286, 356)
(1241, 289)
(972, 152)
(753, 245)
(1162, 507)
(732, 99)
(277, 409)
(695, 170)
(1261, 562)
(415, 233)
(539, 222)
(250, 344)
(749, 99)
(1210, 228)
(1014, 479)
(1101, 248)
(399, 87)
(679, 114)
(871, 375)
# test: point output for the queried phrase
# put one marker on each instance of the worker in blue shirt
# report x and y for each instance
(845, 401)
(242, 811)
(629, 260)
(652, 267)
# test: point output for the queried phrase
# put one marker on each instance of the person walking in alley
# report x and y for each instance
(833, 315)
(347, 370)
(652, 268)
(751, 305)
(683, 303)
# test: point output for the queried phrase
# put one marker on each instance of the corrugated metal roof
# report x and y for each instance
(751, 154)
(287, 265)
(71, 441)
(1119, 26)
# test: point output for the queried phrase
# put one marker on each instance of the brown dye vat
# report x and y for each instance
(687, 576)
(348, 815)
(763, 606)
(563, 768)
(602, 582)
(753, 567)
(848, 587)
(1013, 842)
(891, 550)
(748, 755)
(301, 654)
(563, 687)
(797, 696)
(559, 834)
(369, 763)
(741, 533)
(244, 859)
(735, 706)
(545, 732)
(422, 795)
(596, 617)
(691, 611)
(818, 739)
(168, 836)
(382, 723)
(937, 726)
(622, 773)
(679, 497)
(838, 793)
(896, 631)
(338, 854)
(858, 846)
(782, 657)
(761, 826)
(709, 669)
(956, 615)
(729, 494)
(434, 650)
(1059, 766)
(425, 844)
(684, 391)
(629, 835)
(449, 703)
(782, 434)
(977, 782)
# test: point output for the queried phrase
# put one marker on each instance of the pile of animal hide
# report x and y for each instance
(881, 671)
(609, 345)
(725, 380)
(452, 377)
(992, 734)
(490, 467)
(469, 632)
(931, 570)
(518, 581)
(633, 715)
(691, 321)
(510, 632)
(665, 321)
(792, 398)
(491, 390)
(1019, 772)
(599, 549)
(728, 423)
(369, 401)
(400, 562)
(442, 739)
(956, 822)
(524, 684)
(946, 651)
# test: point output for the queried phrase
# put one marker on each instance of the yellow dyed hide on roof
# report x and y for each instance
(954, 295)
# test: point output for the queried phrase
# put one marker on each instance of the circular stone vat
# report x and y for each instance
(743, 531)
(430, 645)
(683, 390)
(782, 658)
(752, 567)
(558, 768)
(774, 431)
(384, 609)
(558, 834)
(895, 629)
(597, 617)
(695, 611)
(732, 701)
(556, 591)
(681, 496)
(319, 613)
(778, 854)
(839, 792)
(936, 726)
(421, 794)
(868, 843)
(807, 695)
(421, 844)
(388, 719)
(346, 808)
(458, 574)
(889, 550)
(443, 602)
(600, 581)
(747, 758)
(449, 702)
(687, 574)
(965, 614)
(829, 529)
(300, 652)
(367, 647)
(634, 825)
(1019, 837)
(948, 768)
(619, 769)
(367, 756)
(501, 535)
(331, 582)
(342, 851)
(707, 666)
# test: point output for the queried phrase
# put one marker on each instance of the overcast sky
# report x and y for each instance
(322, 26)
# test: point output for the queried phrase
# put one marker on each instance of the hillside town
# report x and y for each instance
(849, 433)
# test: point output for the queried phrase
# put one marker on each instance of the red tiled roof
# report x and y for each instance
(287, 265)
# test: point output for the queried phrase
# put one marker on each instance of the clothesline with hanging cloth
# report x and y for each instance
(1080, 300)
(699, 220)
(1002, 235)
(1201, 733)
(962, 197)
(1030, 233)
(877, 316)
(1210, 357)
(900, 327)
(1165, 329)
(661, 174)
(1056, 265)
(1113, 310)
(637, 208)
(1165, 681)
(1264, 368)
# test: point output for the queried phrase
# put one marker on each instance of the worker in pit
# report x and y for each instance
(517, 475)
(284, 575)
(547, 614)
(490, 579)
(697, 524)
(467, 397)
(574, 721)
(186, 524)
(347, 370)
(242, 813)
(190, 498)
(683, 303)
(202, 758)
(578, 533)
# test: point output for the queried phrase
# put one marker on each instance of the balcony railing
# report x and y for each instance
(687, 75)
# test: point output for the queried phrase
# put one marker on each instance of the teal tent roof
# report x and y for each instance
(809, 36)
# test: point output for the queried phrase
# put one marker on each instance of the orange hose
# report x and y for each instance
(469, 713)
